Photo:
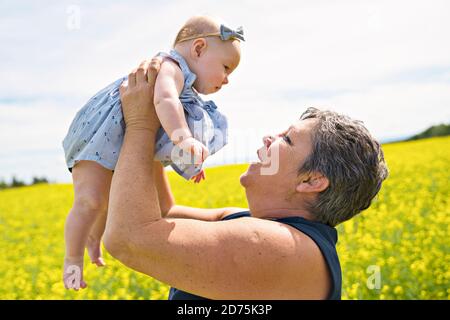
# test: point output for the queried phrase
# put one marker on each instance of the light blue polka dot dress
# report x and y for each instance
(96, 133)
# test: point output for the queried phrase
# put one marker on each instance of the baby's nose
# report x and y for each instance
(225, 81)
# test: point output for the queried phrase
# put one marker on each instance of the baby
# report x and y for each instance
(204, 54)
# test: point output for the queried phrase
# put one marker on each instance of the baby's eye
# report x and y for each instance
(226, 67)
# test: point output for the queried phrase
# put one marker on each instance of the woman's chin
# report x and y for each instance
(252, 170)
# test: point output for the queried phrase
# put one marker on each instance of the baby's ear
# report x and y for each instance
(198, 47)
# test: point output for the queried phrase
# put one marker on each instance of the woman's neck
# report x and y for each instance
(268, 207)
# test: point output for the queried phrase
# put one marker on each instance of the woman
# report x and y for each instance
(327, 169)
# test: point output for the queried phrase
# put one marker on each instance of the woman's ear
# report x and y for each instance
(314, 182)
(198, 47)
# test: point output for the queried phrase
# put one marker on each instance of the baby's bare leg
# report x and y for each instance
(94, 241)
(91, 184)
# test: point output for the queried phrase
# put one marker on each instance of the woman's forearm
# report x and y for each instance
(165, 196)
(133, 197)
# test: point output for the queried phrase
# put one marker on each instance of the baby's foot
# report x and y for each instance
(199, 177)
(73, 274)
(94, 247)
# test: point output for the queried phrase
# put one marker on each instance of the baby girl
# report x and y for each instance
(204, 54)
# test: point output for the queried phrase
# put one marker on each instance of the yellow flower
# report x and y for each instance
(398, 290)
(404, 234)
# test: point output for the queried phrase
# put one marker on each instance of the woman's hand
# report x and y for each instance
(136, 95)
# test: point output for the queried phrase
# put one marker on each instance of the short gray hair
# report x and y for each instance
(345, 152)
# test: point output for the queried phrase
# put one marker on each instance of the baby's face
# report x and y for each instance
(216, 64)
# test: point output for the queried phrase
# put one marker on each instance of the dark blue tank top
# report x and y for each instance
(323, 235)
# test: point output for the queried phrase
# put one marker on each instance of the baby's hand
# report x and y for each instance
(199, 177)
(195, 148)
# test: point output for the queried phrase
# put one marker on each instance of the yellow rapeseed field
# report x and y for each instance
(397, 249)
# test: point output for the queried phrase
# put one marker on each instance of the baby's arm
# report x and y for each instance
(169, 84)
(168, 87)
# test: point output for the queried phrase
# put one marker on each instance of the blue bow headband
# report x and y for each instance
(228, 33)
(224, 33)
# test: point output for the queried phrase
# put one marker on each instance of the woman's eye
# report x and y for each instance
(287, 139)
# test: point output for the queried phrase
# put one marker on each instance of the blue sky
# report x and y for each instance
(386, 63)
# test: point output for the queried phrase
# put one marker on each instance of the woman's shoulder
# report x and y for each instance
(295, 252)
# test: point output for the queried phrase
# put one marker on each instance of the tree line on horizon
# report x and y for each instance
(439, 130)
(15, 182)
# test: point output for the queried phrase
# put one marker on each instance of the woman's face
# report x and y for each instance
(276, 174)
(215, 63)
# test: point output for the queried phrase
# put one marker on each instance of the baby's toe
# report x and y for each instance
(99, 262)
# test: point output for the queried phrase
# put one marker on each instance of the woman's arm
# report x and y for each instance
(203, 214)
(133, 197)
(165, 195)
(170, 210)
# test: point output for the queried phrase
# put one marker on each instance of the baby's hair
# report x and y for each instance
(197, 25)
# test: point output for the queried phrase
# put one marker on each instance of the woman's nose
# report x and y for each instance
(267, 140)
